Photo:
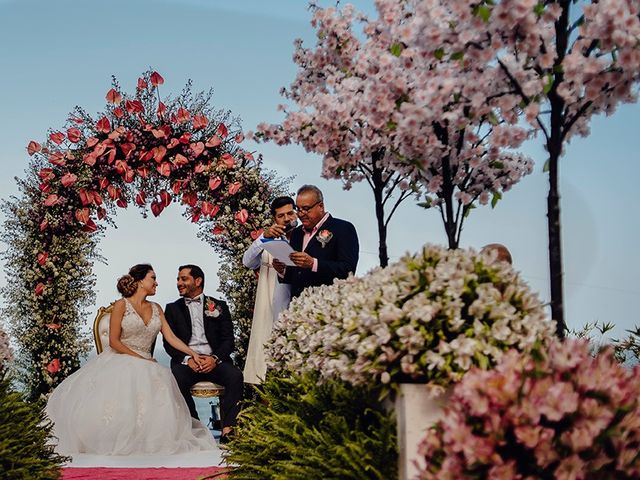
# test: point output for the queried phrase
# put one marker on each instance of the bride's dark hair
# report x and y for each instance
(128, 284)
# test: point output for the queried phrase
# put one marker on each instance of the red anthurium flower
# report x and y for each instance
(256, 233)
(51, 200)
(190, 198)
(83, 215)
(97, 198)
(112, 192)
(213, 142)
(127, 149)
(185, 138)
(101, 213)
(121, 166)
(158, 153)
(242, 216)
(111, 155)
(156, 79)
(214, 183)
(239, 138)
(122, 203)
(199, 168)
(44, 224)
(104, 183)
(39, 290)
(77, 120)
(228, 160)
(143, 172)
(103, 125)
(113, 96)
(162, 109)
(57, 159)
(53, 326)
(53, 366)
(234, 188)
(133, 106)
(199, 121)
(217, 230)
(195, 215)
(207, 208)
(74, 135)
(44, 187)
(68, 179)
(42, 257)
(156, 208)
(57, 137)
(146, 156)
(142, 84)
(90, 226)
(92, 141)
(165, 198)
(164, 169)
(177, 187)
(33, 147)
(129, 175)
(180, 160)
(141, 198)
(118, 112)
(248, 155)
(182, 115)
(90, 159)
(197, 149)
(46, 173)
(158, 133)
(173, 143)
(222, 130)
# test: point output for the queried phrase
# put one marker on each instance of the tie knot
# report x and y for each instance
(189, 301)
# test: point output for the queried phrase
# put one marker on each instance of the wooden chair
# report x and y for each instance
(101, 339)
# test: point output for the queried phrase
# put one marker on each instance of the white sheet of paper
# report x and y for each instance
(280, 249)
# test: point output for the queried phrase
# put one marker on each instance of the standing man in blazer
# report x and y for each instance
(204, 323)
(326, 247)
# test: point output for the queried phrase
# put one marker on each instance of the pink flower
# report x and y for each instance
(57, 137)
(39, 290)
(214, 183)
(33, 148)
(114, 97)
(234, 188)
(156, 79)
(242, 216)
(51, 200)
(68, 179)
(53, 366)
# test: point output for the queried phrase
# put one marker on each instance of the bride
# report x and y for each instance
(122, 402)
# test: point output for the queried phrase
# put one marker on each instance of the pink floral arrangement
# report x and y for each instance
(556, 414)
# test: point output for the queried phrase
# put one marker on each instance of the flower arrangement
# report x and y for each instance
(5, 350)
(428, 318)
(143, 149)
(210, 308)
(559, 413)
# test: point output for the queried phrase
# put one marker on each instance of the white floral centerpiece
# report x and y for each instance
(428, 318)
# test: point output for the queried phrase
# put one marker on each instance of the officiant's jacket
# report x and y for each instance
(218, 330)
(336, 258)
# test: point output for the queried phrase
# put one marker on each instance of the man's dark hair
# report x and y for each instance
(279, 202)
(196, 271)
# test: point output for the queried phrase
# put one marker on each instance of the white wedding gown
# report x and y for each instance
(117, 404)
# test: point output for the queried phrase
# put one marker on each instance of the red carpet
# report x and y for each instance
(104, 473)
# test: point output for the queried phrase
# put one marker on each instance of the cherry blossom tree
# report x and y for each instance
(556, 63)
(361, 105)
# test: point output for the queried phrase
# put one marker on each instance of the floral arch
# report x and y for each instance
(142, 150)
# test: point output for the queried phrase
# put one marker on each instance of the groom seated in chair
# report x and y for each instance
(204, 323)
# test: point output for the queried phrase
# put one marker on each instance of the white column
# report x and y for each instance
(417, 408)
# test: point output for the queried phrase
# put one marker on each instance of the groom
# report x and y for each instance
(204, 323)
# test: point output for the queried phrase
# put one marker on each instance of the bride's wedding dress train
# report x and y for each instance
(117, 404)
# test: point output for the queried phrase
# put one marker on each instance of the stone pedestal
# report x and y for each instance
(418, 407)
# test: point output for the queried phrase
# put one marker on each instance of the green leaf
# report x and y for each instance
(548, 85)
(426, 204)
(439, 53)
(396, 49)
(484, 13)
(467, 209)
(496, 164)
(497, 196)
(492, 118)
(546, 166)
(391, 125)
(539, 9)
(457, 56)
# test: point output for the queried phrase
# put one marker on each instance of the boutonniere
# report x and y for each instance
(324, 237)
(211, 309)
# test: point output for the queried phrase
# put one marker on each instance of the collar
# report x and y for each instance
(317, 226)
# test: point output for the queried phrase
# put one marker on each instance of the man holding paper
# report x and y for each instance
(271, 296)
(325, 247)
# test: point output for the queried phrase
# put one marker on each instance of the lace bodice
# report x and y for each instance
(135, 334)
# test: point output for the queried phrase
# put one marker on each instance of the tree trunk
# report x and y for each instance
(378, 192)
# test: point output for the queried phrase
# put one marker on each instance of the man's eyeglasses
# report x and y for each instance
(305, 210)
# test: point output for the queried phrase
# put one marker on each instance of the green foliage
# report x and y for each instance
(297, 429)
(626, 350)
(24, 433)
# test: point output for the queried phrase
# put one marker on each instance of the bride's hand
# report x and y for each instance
(198, 359)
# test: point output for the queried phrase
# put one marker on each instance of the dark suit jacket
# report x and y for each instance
(218, 330)
(336, 258)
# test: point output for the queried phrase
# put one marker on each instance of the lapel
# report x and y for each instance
(182, 306)
(314, 244)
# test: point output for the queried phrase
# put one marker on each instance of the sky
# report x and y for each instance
(56, 55)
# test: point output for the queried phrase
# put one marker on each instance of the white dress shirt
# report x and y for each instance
(198, 342)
